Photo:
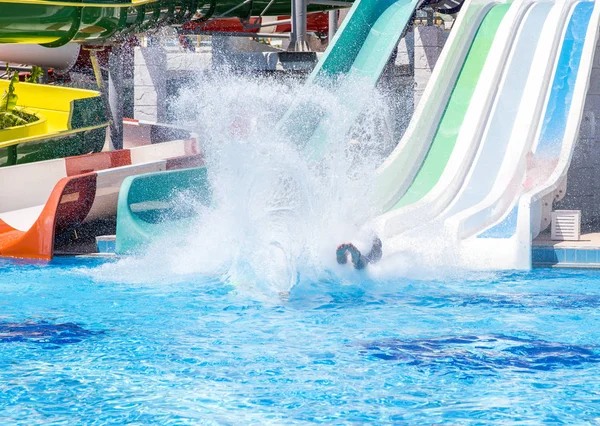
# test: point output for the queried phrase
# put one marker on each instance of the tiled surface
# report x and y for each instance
(558, 256)
(584, 253)
(106, 244)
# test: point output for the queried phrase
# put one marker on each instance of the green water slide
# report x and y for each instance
(358, 54)
(156, 204)
(455, 113)
(55, 23)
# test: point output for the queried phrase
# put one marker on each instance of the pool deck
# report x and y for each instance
(584, 253)
(106, 244)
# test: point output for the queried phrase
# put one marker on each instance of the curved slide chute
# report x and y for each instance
(71, 122)
(52, 197)
(359, 51)
(149, 206)
(60, 59)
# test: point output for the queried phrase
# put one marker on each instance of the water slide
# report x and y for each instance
(498, 230)
(360, 50)
(474, 177)
(474, 99)
(412, 175)
(356, 57)
(71, 122)
(48, 198)
(151, 204)
(56, 23)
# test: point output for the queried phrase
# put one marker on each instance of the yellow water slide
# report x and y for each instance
(70, 122)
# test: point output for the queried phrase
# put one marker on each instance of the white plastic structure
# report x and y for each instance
(397, 172)
(61, 59)
(566, 225)
(488, 203)
(497, 97)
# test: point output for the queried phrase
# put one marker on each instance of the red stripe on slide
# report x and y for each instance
(68, 205)
(191, 146)
(75, 202)
(99, 161)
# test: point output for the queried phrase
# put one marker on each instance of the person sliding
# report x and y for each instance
(358, 260)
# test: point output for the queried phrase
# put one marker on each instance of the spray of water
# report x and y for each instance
(276, 217)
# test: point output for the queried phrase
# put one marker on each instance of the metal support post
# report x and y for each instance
(333, 23)
(115, 96)
(298, 37)
(100, 82)
(45, 77)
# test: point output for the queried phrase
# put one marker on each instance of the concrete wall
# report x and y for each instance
(150, 83)
(429, 42)
(583, 179)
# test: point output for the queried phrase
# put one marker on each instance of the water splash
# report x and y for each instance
(276, 217)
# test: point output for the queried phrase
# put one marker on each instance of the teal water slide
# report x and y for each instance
(155, 204)
(365, 41)
(356, 57)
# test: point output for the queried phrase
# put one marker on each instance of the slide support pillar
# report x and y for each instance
(298, 37)
(333, 23)
(115, 96)
(100, 82)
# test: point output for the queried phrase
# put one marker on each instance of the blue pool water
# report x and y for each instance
(487, 349)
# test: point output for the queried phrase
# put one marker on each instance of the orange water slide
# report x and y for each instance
(75, 190)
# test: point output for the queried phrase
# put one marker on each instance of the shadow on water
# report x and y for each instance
(44, 332)
(495, 352)
(502, 301)
(336, 295)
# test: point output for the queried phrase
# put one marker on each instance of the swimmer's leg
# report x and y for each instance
(358, 260)
(342, 254)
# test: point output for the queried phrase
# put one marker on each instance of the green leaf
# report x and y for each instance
(9, 99)
(36, 73)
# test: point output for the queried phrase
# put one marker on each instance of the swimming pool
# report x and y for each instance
(490, 348)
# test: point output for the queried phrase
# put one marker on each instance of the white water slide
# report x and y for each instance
(485, 184)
